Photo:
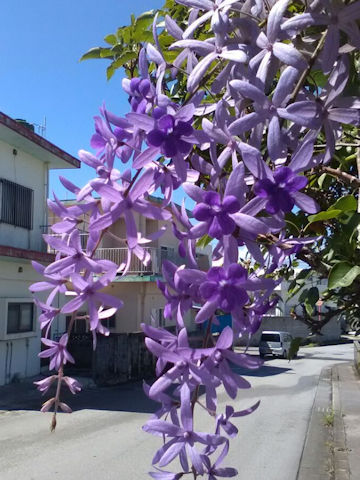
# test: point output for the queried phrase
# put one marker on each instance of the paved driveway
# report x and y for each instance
(102, 439)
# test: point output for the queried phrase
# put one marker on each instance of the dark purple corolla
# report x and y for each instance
(224, 289)
(141, 93)
(279, 191)
(169, 135)
(215, 212)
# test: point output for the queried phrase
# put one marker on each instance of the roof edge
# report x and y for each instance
(38, 140)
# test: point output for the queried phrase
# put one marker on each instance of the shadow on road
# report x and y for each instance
(122, 398)
(264, 371)
(130, 397)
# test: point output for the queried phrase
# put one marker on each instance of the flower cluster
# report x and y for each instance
(240, 144)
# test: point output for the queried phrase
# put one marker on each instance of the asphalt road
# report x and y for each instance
(103, 440)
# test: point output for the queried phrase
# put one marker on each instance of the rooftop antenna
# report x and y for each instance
(41, 129)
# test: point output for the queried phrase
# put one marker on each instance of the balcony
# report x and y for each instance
(118, 255)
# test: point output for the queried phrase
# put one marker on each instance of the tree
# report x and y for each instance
(244, 105)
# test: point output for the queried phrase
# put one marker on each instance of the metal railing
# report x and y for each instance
(119, 255)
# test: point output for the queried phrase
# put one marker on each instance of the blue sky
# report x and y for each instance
(41, 43)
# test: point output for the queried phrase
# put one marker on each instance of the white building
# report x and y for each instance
(25, 161)
(281, 317)
(143, 301)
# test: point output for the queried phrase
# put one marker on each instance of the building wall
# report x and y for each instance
(140, 299)
(29, 172)
(330, 333)
(18, 352)
(288, 304)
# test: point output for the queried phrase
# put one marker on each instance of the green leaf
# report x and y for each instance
(303, 295)
(110, 71)
(92, 53)
(322, 179)
(144, 20)
(303, 274)
(345, 204)
(321, 216)
(203, 241)
(342, 275)
(120, 62)
(111, 39)
(106, 53)
(311, 299)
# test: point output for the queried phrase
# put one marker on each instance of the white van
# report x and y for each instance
(275, 343)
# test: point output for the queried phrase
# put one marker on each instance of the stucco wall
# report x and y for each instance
(18, 356)
(29, 172)
(331, 331)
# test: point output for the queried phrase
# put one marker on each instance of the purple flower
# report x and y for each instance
(336, 17)
(169, 132)
(217, 363)
(211, 50)
(279, 191)
(48, 313)
(225, 288)
(141, 93)
(73, 385)
(170, 136)
(182, 439)
(266, 111)
(215, 212)
(75, 258)
(219, 217)
(56, 352)
(327, 111)
(223, 420)
(87, 290)
(44, 385)
(271, 47)
(55, 281)
(163, 475)
(123, 204)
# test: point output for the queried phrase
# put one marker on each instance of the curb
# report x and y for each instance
(316, 462)
(340, 451)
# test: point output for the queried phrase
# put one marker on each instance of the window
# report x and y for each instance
(20, 317)
(16, 204)
(158, 317)
(167, 253)
(270, 337)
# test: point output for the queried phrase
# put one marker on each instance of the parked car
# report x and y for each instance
(275, 343)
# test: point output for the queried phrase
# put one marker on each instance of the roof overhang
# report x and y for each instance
(22, 254)
(30, 142)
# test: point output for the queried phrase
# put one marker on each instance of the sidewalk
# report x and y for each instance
(332, 446)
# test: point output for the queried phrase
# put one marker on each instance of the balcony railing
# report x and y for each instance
(157, 255)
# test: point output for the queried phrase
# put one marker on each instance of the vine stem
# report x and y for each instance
(205, 341)
(57, 398)
(358, 179)
(305, 73)
(345, 177)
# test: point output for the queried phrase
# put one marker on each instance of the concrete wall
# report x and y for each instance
(287, 303)
(357, 355)
(29, 172)
(331, 331)
(18, 352)
(140, 299)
